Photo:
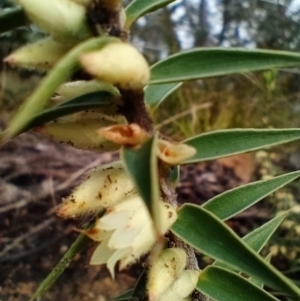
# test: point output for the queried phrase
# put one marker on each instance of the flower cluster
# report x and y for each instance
(126, 232)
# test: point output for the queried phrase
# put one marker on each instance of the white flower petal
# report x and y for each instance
(140, 246)
(174, 153)
(97, 233)
(128, 218)
(111, 262)
(146, 236)
(132, 232)
(113, 220)
(101, 254)
(122, 238)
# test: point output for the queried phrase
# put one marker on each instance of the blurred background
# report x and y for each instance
(36, 170)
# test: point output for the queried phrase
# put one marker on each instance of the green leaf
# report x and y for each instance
(209, 235)
(211, 62)
(222, 143)
(156, 94)
(81, 103)
(61, 71)
(257, 239)
(80, 130)
(141, 164)
(234, 201)
(139, 8)
(257, 282)
(222, 285)
(12, 18)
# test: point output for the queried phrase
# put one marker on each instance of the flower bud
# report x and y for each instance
(167, 279)
(42, 54)
(164, 270)
(103, 187)
(119, 64)
(174, 153)
(182, 287)
(126, 232)
(64, 20)
(124, 134)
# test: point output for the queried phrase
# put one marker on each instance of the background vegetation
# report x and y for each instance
(269, 99)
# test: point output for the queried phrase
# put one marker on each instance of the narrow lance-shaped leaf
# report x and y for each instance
(207, 234)
(211, 62)
(234, 201)
(141, 164)
(257, 239)
(156, 94)
(222, 285)
(223, 143)
(81, 103)
(80, 130)
(61, 71)
(73, 89)
(138, 8)
(257, 282)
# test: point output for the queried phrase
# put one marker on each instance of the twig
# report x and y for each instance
(202, 106)
(32, 231)
(16, 205)
(26, 253)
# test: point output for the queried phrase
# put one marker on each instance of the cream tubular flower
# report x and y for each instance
(42, 54)
(174, 153)
(103, 187)
(64, 20)
(126, 232)
(119, 64)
